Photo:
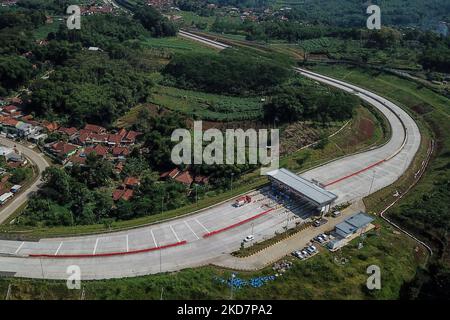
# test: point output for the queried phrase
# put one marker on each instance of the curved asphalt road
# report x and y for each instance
(387, 164)
(38, 159)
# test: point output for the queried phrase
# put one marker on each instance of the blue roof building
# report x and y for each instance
(353, 224)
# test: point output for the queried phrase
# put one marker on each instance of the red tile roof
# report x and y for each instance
(127, 194)
(69, 131)
(77, 159)
(124, 194)
(122, 133)
(50, 126)
(10, 109)
(114, 139)
(131, 181)
(63, 148)
(131, 136)
(97, 137)
(94, 128)
(83, 137)
(117, 194)
(98, 150)
(171, 174)
(9, 122)
(28, 117)
(120, 151)
(185, 178)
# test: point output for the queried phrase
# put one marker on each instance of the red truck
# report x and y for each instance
(242, 200)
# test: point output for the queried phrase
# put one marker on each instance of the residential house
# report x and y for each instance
(170, 174)
(49, 126)
(25, 129)
(94, 128)
(76, 159)
(185, 178)
(122, 193)
(131, 182)
(99, 150)
(69, 132)
(114, 139)
(120, 153)
(62, 150)
(10, 109)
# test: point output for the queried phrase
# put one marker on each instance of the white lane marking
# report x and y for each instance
(59, 247)
(127, 244)
(201, 225)
(153, 236)
(174, 233)
(20, 247)
(95, 247)
(189, 227)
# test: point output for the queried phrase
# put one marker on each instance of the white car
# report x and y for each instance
(249, 238)
(336, 214)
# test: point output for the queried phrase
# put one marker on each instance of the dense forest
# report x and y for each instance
(92, 88)
(300, 100)
(230, 73)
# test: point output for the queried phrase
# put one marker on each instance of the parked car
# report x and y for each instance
(300, 256)
(336, 214)
(319, 222)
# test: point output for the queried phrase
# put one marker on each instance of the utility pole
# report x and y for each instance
(160, 261)
(371, 184)
(231, 183)
(42, 268)
(196, 194)
(231, 285)
(8, 293)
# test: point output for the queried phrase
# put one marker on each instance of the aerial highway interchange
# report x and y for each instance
(185, 242)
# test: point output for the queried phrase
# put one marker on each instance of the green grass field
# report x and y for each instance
(207, 106)
(43, 31)
(177, 45)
